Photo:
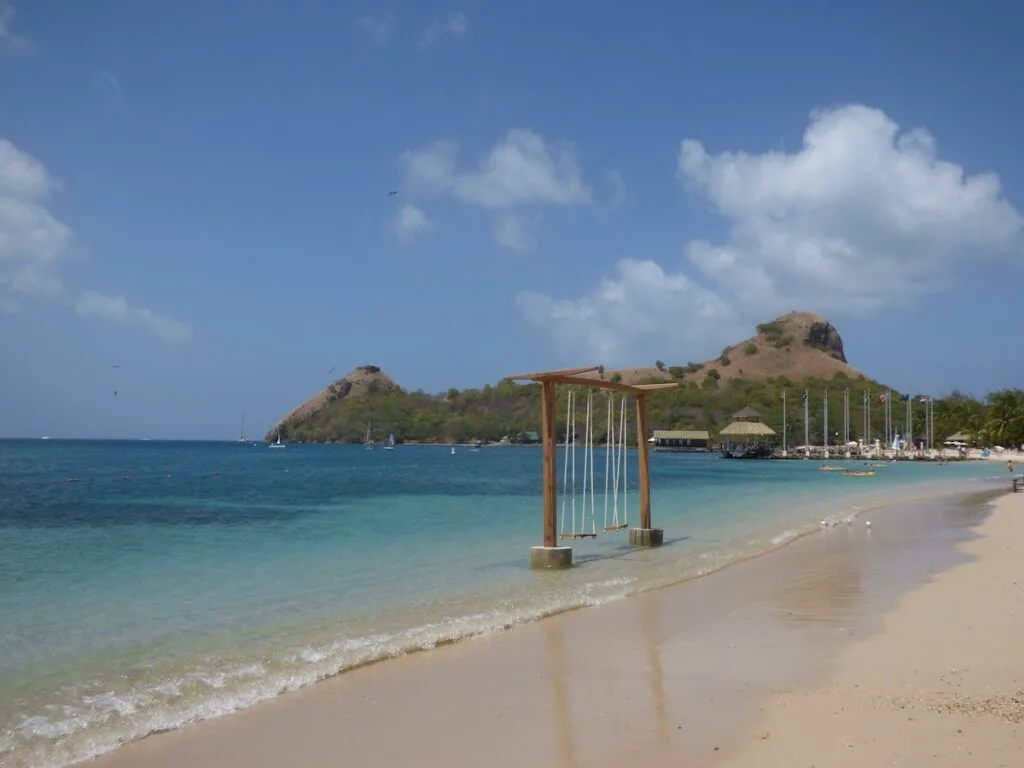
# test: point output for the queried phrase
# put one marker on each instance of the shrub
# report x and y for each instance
(750, 349)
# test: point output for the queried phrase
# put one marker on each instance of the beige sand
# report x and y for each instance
(683, 676)
(941, 685)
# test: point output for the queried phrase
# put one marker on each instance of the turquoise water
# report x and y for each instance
(180, 581)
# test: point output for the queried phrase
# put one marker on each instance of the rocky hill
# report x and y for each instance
(363, 381)
(799, 350)
(797, 345)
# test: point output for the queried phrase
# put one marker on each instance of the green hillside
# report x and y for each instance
(508, 409)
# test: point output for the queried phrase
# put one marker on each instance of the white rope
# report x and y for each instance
(617, 469)
(590, 450)
(565, 471)
(609, 441)
(625, 481)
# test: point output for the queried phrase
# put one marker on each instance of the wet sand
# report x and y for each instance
(942, 683)
(689, 675)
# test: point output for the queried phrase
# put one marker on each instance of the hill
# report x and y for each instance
(795, 352)
(798, 345)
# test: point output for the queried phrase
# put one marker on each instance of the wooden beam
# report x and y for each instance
(548, 374)
(547, 420)
(645, 470)
(652, 387)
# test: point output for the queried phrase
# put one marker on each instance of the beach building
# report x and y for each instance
(681, 440)
(747, 437)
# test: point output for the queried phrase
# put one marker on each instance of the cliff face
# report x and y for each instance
(364, 380)
(798, 345)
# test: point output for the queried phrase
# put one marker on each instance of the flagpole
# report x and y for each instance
(783, 422)
(824, 429)
(807, 429)
(864, 414)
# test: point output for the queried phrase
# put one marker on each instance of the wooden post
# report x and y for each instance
(547, 421)
(645, 472)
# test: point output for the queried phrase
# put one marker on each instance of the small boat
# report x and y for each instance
(829, 468)
(453, 450)
(390, 446)
(278, 444)
(368, 442)
(849, 473)
(241, 430)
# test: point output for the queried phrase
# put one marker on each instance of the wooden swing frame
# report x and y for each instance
(578, 377)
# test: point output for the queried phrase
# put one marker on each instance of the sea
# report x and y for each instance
(145, 585)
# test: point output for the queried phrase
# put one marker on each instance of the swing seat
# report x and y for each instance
(579, 535)
(616, 527)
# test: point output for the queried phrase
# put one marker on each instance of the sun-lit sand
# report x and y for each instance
(858, 645)
(941, 685)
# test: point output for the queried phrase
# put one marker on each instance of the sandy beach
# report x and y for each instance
(942, 684)
(895, 643)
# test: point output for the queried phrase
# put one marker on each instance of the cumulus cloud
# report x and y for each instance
(521, 170)
(118, 309)
(410, 221)
(454, 24)
(862, 217)
(34, 243)
(9, 40)
(377, 26)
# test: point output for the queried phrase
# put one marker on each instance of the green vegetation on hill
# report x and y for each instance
(508, 409)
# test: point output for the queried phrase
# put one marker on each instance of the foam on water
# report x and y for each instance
(136, 606)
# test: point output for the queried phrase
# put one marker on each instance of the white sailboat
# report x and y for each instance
(241, 430)
(453, 450)
(278, 444)
(391, 442)
(368, 442)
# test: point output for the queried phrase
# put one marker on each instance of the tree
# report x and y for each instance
(659, 365)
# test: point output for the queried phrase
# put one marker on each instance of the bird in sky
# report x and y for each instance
(392, 192)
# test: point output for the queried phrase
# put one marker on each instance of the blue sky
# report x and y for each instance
(198, 192)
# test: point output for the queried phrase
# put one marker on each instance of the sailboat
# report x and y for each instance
(241, 430)
(453, 450)
(278, 444)
(391, 442)
(368, 442)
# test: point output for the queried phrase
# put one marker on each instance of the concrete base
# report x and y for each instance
(550, 557)
(646, 537)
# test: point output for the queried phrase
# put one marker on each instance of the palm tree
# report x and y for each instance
(1005, 424)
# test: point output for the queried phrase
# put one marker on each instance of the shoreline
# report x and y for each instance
(941, 683)
(507, 642)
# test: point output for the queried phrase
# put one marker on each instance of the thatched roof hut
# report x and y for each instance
(746, 423)
(747, 414)
(959, 437)
(747, 429)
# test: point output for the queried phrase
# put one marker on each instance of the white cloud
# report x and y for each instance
(118, 309)
(521, 169)
(862, 217)
(33, 244)
(512, 231)
(454, 24)
(410, 221)
(377, 26)
(9, 41)
(617, 185)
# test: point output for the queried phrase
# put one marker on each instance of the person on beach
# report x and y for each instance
(1009, 466)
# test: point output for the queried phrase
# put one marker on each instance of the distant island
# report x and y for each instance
(795, 352)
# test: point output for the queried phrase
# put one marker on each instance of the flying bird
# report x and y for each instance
(115, 366)
(392, 192)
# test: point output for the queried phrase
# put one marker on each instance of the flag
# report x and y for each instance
(805, 394)
(924, 398)
(904, 397)
(881, 398)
